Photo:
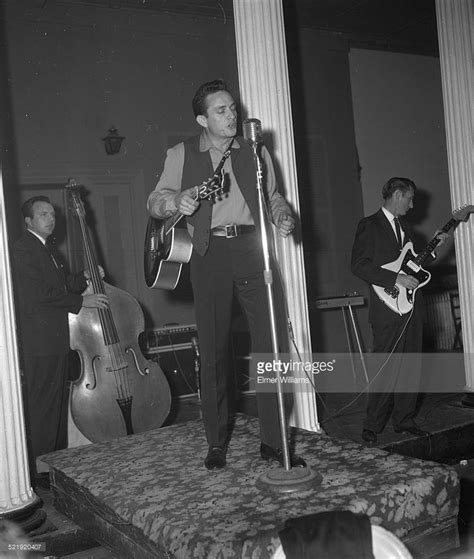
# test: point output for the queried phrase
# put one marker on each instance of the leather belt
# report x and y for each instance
(231, 231)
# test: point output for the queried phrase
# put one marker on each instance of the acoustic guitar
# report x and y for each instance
(167, 248)
(398, 298)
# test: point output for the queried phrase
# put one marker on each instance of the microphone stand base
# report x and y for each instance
(280, 480)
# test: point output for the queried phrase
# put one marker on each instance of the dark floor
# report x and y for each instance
(341, 416)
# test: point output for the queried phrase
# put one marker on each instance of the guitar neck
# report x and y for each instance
(177, 217)
(204, 191)
(172, 222)
(424, 255)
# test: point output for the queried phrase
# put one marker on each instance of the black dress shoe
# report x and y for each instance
(269, 453)
(369, 436)
(412, 430)
(215, 459)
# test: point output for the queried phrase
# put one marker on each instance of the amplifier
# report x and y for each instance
(173, 348)
(169, 338)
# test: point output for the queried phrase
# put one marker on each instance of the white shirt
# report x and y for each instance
(39, 236)
(391, 217)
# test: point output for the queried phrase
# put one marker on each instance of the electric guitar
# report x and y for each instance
(167, 248)
(398, 298)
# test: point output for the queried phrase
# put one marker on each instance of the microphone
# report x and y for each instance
(252, 130)
(195, 344)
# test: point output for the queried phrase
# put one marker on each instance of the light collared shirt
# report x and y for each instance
(391, 217)
(36, 235)
(55, 262)
(232, 207)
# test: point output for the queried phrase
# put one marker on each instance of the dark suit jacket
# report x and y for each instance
(45, 297)
(374, 245)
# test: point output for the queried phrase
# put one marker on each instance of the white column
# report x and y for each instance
(265, 92)
(455, 34)
(16, 494)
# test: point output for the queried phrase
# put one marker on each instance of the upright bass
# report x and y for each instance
(118, 392)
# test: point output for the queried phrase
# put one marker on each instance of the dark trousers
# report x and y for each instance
(231, 267)
(45, 380)
(395, 390)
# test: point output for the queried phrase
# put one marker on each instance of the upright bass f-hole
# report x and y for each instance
(115, 375)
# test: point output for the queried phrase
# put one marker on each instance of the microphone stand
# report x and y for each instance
(268, 279)
(197, 371)
(289, 479)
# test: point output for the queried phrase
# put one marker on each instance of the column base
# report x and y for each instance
(29, 518)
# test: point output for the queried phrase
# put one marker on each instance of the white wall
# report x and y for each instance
(399, 127)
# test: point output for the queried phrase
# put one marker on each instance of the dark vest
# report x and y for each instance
(198, 168)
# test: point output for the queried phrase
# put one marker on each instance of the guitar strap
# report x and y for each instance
(218, 170)
(223, 160)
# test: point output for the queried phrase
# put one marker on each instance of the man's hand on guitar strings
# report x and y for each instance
(443, 237)
(95, 301)
(186, 202)
(87, 274)
(406, 281)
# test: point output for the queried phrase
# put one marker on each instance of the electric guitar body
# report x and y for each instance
(398, 298)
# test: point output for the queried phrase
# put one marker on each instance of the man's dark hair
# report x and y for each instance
(208, 88)
(397, 183)
(27, 208)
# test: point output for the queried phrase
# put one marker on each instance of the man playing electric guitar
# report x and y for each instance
(378, 240)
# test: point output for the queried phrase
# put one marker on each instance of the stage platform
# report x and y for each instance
(149, 495)
(450, 423)
(341, 416)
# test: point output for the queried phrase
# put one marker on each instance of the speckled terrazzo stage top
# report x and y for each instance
(149, 495)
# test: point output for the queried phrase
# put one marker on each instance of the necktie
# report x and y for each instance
(398, 232)
(56, 261)
(50, 249)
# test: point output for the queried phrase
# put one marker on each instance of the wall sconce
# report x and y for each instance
(112, 141)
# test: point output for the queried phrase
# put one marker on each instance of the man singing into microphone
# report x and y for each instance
(227, 257)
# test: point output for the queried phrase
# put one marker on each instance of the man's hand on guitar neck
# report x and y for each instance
(406, 281)
(443, 237)
(186, 202)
